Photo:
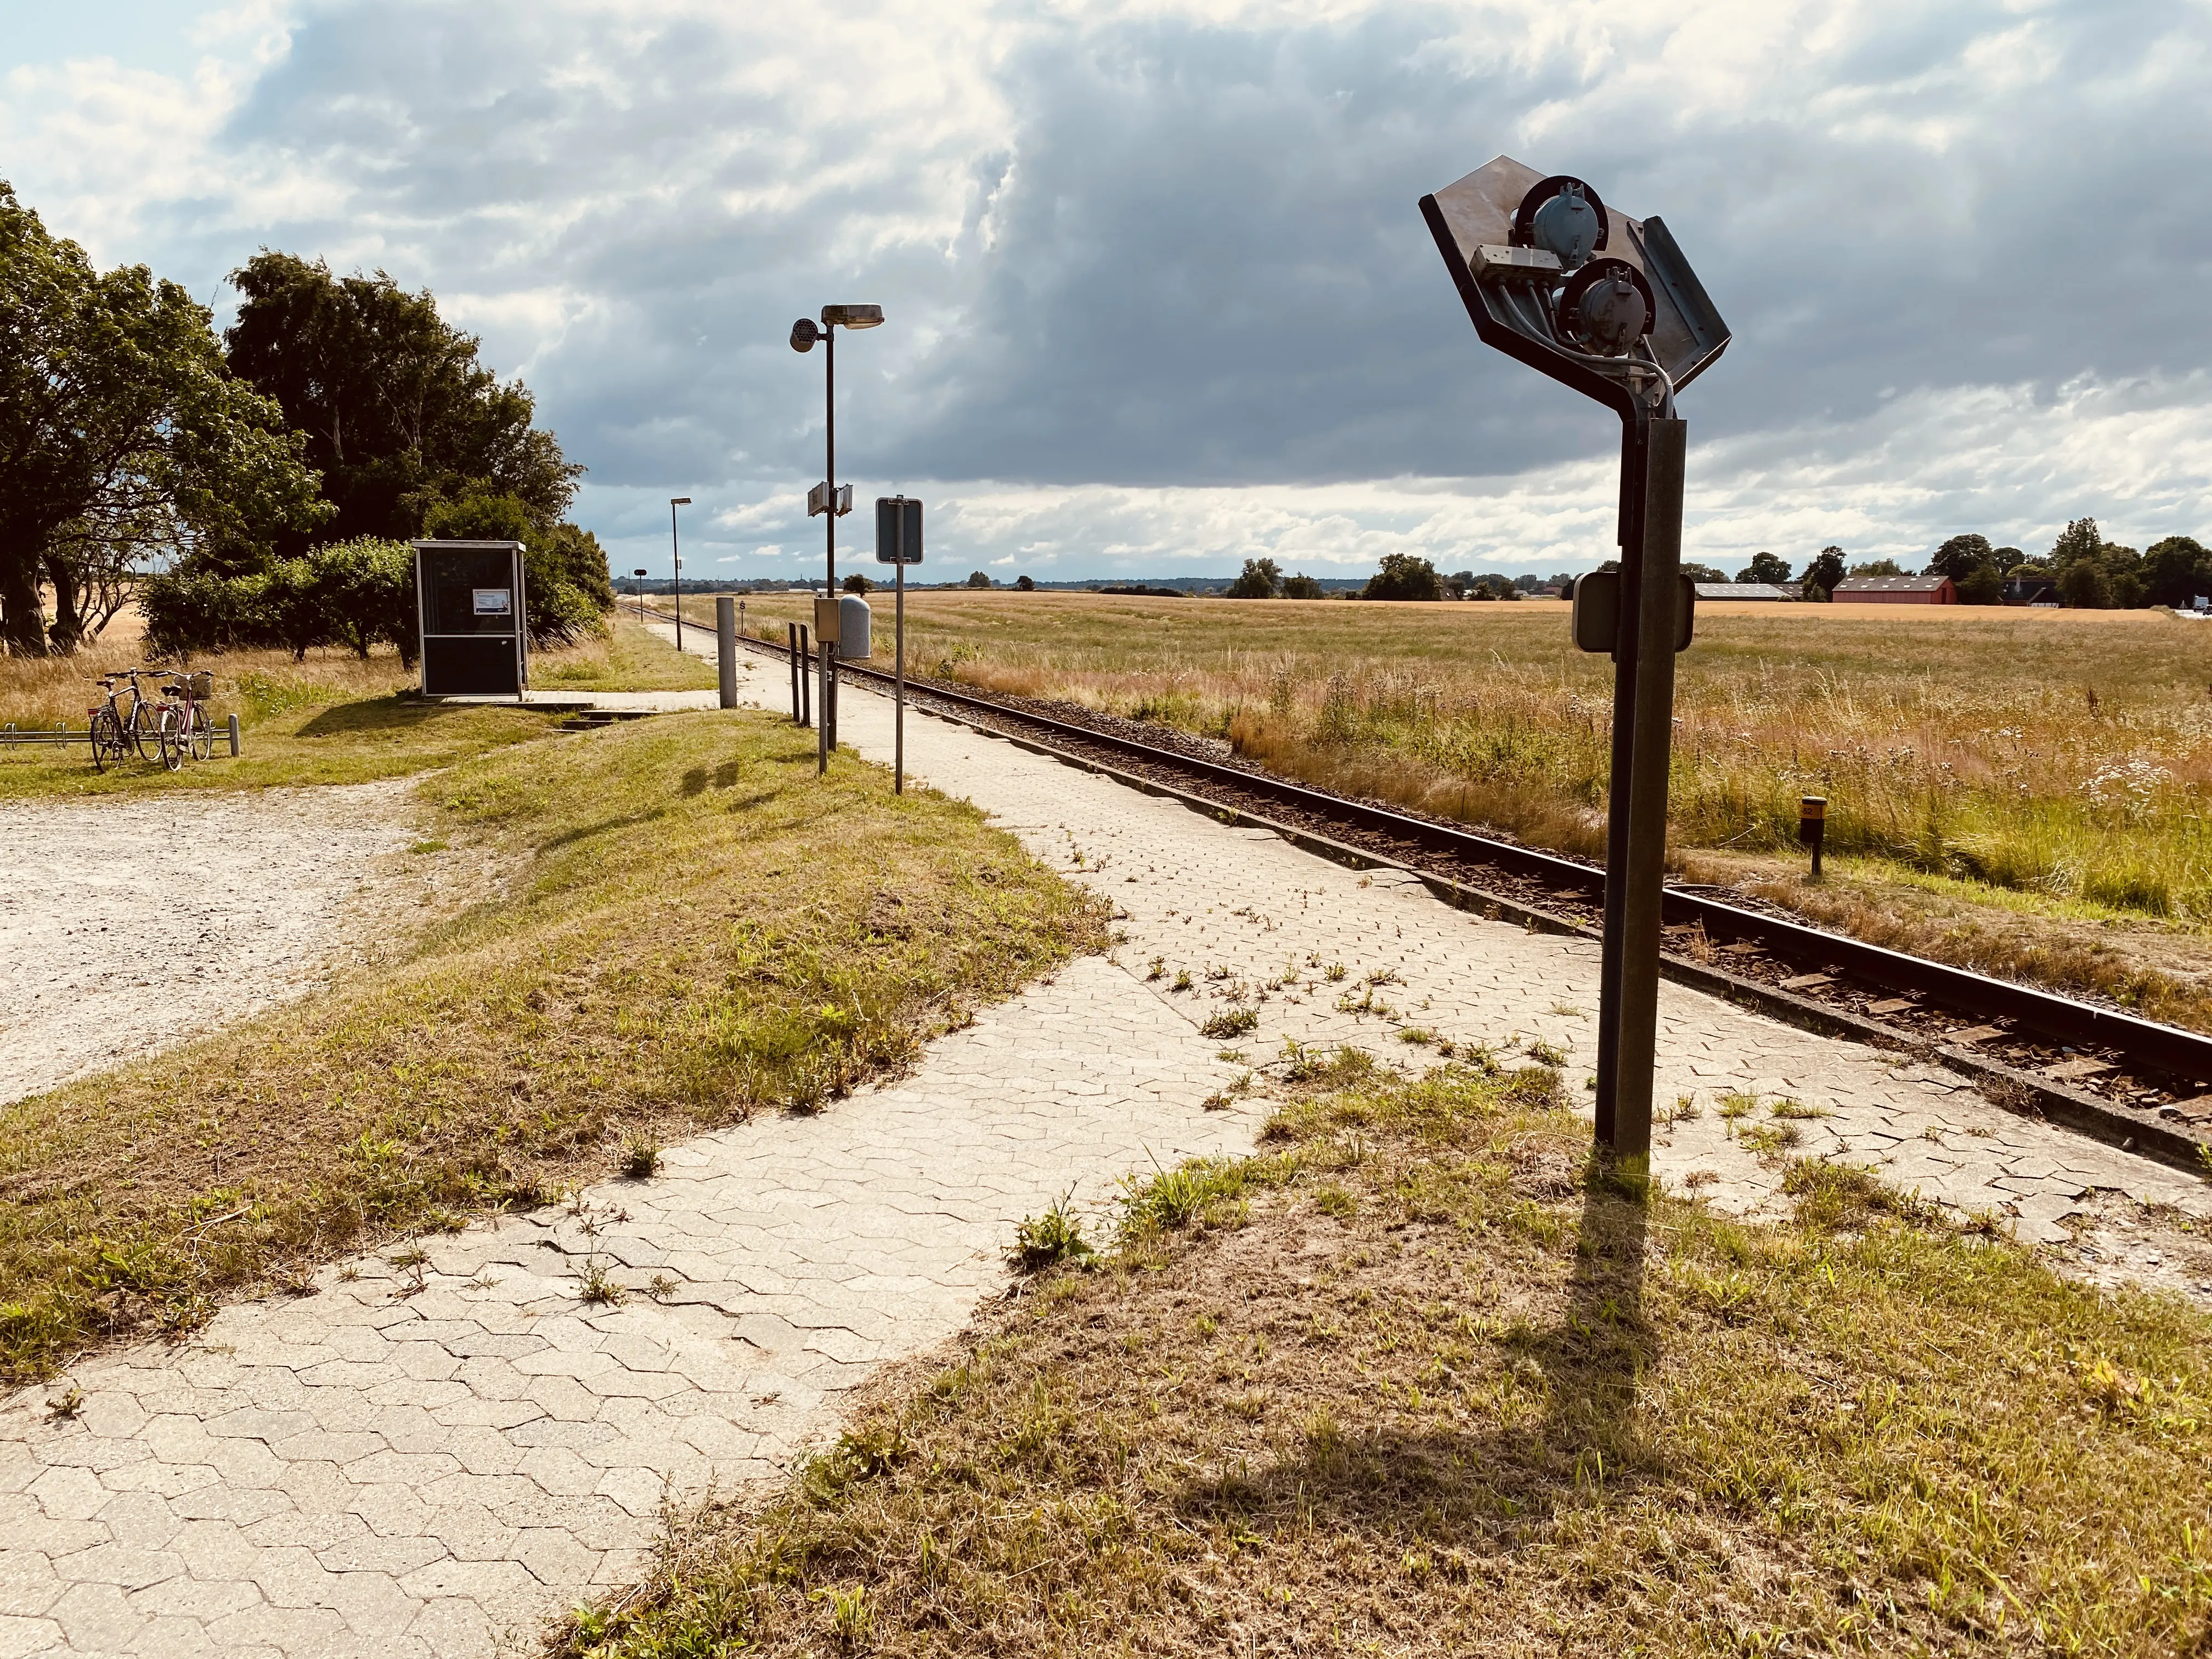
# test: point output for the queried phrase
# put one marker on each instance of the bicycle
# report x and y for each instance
(195, 729)
(117, 731)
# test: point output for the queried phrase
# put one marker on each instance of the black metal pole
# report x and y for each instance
(1633, 427)
(829, 721)
(676, 553)
(791, 650)
(898, 699)
(1658, 618)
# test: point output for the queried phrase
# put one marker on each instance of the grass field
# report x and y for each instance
(334, 718)
(1414, 1382)
(2013, 789)
(694, 929)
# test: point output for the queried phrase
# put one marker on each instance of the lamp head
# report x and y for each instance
(803, 334)
(679, 500)
(852, 316)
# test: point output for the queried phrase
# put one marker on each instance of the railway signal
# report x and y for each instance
(1607, 305)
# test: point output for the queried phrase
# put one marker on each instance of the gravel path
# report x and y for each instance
(127, 924)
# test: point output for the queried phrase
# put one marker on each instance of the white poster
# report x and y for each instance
(495, 601)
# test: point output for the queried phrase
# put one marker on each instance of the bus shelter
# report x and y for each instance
(475, 628)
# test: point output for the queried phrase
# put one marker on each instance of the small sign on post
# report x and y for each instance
(898, 542)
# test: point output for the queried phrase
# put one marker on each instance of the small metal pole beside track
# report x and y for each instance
(233, 736)
(725, 649)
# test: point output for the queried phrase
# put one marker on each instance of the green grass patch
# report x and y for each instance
(333, 718)
(697, 929)
(1420, 1380)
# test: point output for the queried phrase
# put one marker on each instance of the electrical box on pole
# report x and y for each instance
(1607, 305)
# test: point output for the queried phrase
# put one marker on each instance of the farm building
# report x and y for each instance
(1769, 590)
(1896, 590)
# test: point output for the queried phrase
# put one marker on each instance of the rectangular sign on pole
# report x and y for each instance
(898, 529)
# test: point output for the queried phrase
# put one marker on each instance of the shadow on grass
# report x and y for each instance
(1573, 1441)
(371, 714)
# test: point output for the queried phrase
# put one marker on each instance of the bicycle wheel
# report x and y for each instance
(106, 738)
(141, 732)
(199, 731)
(169, 735)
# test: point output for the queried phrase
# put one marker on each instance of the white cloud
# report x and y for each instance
(1158, 296)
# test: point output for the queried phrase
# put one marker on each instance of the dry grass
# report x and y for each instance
(698, 929)
(333, 718)
(2058, 764)
(1414, 1382)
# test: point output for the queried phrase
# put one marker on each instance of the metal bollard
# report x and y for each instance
(805, 675)
(1813, 826)
(725, 649)
(233, 736)
(791, 649)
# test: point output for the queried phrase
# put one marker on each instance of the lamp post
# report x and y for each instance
(1607, 305)
(640, 596)
(827, 499)
(677, 553)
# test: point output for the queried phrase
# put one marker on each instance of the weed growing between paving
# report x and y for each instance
(1416, 1379)
(700, 930)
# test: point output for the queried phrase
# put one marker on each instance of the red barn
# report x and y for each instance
(1895, 590)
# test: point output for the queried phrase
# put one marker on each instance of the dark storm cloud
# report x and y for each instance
(1154, 252)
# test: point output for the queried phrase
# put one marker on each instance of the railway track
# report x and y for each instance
(2098, 1069)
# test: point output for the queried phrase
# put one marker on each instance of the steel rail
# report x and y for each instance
(2038, 1014)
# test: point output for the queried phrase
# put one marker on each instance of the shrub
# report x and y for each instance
(358, 594)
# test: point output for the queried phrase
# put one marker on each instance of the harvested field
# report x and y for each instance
(2025, 792)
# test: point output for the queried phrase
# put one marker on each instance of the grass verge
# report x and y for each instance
(331, 718)
(1414, 1381)
(698, 929)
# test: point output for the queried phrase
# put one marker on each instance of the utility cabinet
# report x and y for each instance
(475, 628)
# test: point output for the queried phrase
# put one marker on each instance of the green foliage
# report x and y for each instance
(398, 413)
(1048, 1240)
(356, 594)
(1961, 557)
(1764, 568)
(1879, 567)
(122, 440)
(2176, 570)
(1704, 573)
(1824, 572)
(1404, 576)
(977, 579)
(1262, 579)
(1025, 584)
(1301, 587)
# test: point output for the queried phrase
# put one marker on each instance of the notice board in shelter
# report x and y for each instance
(475, 628)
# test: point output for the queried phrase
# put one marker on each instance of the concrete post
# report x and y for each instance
(233, 736)
(726, 647)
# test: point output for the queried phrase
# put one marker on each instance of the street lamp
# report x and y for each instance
(640, 594)
(677, 553)
(1607, 305)
(828, 500)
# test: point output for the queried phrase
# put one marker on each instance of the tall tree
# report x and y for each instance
(1764, 568)
(2176, 569)
(1961, 557)
(1260, 579)
(399, 415)
(123, 442)
(1404, 576)
(1826, 570)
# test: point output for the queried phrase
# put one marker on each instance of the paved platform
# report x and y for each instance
(432, 1459)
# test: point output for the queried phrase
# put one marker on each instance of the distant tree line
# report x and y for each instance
(259, 490)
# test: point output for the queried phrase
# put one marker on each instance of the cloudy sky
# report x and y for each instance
(1159, 297)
